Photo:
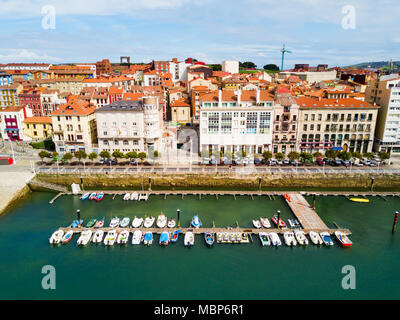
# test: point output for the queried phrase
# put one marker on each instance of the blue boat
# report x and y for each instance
(175, 235)
(196, 222)
(99, 196)
(85, 196)
(75, 223)
(164, 238)
(148, 238)
(209, 238)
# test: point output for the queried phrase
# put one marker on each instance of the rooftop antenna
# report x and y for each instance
(283, 55)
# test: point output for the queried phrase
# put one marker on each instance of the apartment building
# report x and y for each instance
(178, 70)
(5, 78)
(133, 125)
(9, 95)
(38, 128)
(12, 123)
(230, 66)
(72, 85)
(30, 97)
(343, 124)
(232, 121)
(50, 101)
(385, 91)
(74, 127)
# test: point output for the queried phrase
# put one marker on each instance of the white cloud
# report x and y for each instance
(25, 55)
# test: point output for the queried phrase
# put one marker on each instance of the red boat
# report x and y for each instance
(287, 197)
(343, 239)
(282, 224)
(100, 196)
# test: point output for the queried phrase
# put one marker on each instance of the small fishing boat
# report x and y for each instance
(100, 196)
(91, 223)
(110, 238)
(343, 239)
(244, 238)
(171, 223)
(175, 235)
(164, 238)
(265, 223)
(196, 222)
(265, 241)
(293, 223)
(134, 196)
(225, 238)
(301, 237)
(209, 238)
(56, 237)
(219, 237)
(326, 238)
(124, 222)
(137, 237)
(315, 238)
(275, 240)
(359, 200)
(287, 197)
(92, 196)
(161, 221)
(99, 222)
(257, 224)
(85, 196)
(114, 222)
(75, 223)
(282, 224)
(84, 238)
(123, 237)
(232, 237)
(67, 237)
(127, 196)
(288, 236)
(98, 236)
(148, 238)
(188, 241)
(137, 222)
(148, 222)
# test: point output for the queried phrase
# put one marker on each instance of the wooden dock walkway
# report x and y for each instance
(306, 215)
(56, 197)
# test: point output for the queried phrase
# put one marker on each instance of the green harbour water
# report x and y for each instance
(224, 271)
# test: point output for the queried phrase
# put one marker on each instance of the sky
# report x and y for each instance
(334, 32)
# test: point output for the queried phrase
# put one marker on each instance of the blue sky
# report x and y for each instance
(209, 30)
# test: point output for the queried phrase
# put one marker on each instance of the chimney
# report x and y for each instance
(239, 96)
(258, 95)
(219, 98)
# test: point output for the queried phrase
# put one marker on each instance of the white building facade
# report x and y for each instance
(230, 66)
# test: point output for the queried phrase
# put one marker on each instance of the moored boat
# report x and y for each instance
(161, 221)
(84, 238)
(148, 222)
(301, 237)
(265, 223)
(114, 222)
(98, 236)
(196, 222)
(175, 235)
(123, 237)
(85, 196)
(137, 237)
(56, 237)
(225, 237)
(359, 200)
(92, 196)
(343, 239)
(91, 223)
(100, 196)
(137, 222)
(124, 222)
(293, 223)
(188, 241)
(326, 238)
(134, 196)
(110, 238)
(219, 237)
(148, 238)
(265, 241)
(164, 238)
(315, 238)
(282, 224)
(75, 223)
(209, 238)
(244, 238)
(287, 197)
(171, 223)
(127, 196)
(99, 223)
(257, 224)
(288, 236)
(67, 237)
(274, 237)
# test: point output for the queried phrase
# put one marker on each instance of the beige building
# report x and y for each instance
(72, 85)
(345, 124)
(74, 127)
(38, 128)
(180, 111)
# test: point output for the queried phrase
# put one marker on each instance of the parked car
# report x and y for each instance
(285, 162)
(272, 163)
(101, 161)
(373, 163)
(320, 162)
(346, 163)
(133, 161)
(205, 161)
(293, 162)
(336, 162)
(257, 162)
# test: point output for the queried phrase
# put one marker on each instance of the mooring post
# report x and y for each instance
(259, 183)
(372, 183)
(78, 213)
(149, 183)
(314, 199)
(396, 215)
(279, 217)
(178, 212)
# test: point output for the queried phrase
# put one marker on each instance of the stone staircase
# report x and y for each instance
(47, 185)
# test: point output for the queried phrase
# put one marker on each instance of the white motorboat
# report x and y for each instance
(137, 237)
(225, 238)
(315, 238)
(98, 236)
(56, 237)
(188, 241)
(127, 196)
(257, 224)
(124, 222)
(134, 196)
(265, 223)
(137, 222)
(84, 238)
(148, 238)
(123, 237)
(326, 238)
(110, 238)
(288, 236)
(343, 239)
(171, 223)
(293, 223)
(114, 222)
(265, 241)
(148, 222)
(274, 237)
(219, 237)
(161, 221)
(301, 237)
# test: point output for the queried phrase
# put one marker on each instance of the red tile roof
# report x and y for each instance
(38, 120)
(75, 107)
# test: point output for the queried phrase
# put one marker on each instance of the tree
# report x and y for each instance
(142, 156)
(344, 155)
(80, 154)
(54, 155)
(306, 156)
(247, 64)
(271, 67)
(356, 155)
(267, 155)
(318, 155)
(118, 154)
(384, 155)
(105, 154)
(155, 154)
(132, 155)
(369, 155)
(294, 155)
(331, 154)
(43, 154)
(68, 156)
(92, 156)
(279, 156)
(244, 153)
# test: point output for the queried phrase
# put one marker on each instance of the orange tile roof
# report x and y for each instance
(304, 102)
(132, 96)
(115, 90)
(74, 107)
(179, 103)
(229, 95)
(12, 109)
(106, 79)
(38, 120)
